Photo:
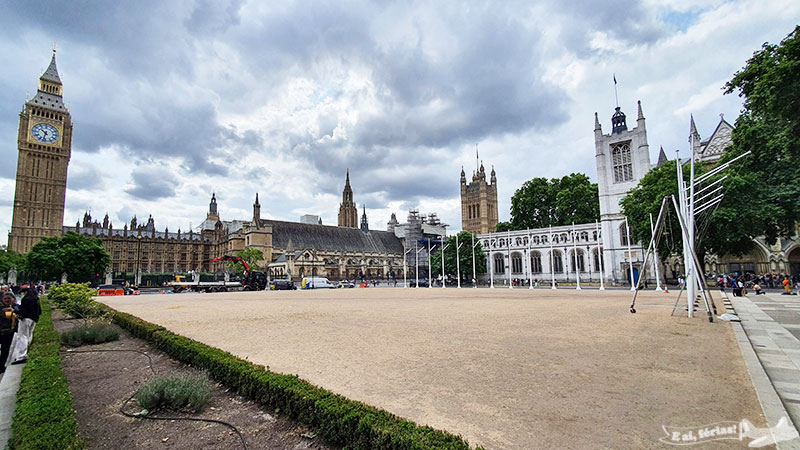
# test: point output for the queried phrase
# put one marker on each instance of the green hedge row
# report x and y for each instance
(44, 418)
(339, 420)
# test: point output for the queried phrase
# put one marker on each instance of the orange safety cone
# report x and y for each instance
(666, 290)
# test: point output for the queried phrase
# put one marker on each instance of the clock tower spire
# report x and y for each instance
(44, 142)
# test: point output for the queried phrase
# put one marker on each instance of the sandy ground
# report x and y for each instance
(512, 369)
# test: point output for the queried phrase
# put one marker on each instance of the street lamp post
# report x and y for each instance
(458, 263)
(490, 259)
(430, 275)
(599, 254)
(552, 269)
(138, 274)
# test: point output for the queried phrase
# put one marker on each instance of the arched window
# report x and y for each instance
(499, 264)
(516, 263)
(536, 262)
(579, 258)
(558, 264)
(596, 261)
(621, 161)
(584, 236)
(536, 240)
(623, 234)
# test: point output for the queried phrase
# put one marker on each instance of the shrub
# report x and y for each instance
(44, 418)
(76, 300)
(94, 334)
(175, 393)
(339, 420)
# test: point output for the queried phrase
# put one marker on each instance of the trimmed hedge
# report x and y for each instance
(44, 418)
(339, 420)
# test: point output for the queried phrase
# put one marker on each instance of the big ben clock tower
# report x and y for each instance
(45, 144)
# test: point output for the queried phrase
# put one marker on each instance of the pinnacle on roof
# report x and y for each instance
(51, 74)
(693, 130)
(347, 179)
(596, 122)
(662, 157)
(639, 116)
(256, 200)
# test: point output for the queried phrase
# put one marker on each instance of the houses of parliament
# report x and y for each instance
(350, 250)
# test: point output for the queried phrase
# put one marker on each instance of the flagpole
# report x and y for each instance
(552, 271)
(599, 254)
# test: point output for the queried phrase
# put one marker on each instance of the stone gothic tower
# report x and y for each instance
(44, 142)
(348, 213)
(622, 159)
(479, 202)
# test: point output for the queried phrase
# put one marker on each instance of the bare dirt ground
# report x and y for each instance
(512, 369)
(101, 382)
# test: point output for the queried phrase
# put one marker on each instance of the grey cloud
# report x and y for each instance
(84, 178)
(152, 183)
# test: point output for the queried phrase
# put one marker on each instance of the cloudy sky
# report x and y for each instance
(175, 100)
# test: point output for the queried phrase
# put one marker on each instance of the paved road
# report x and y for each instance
(772, 323)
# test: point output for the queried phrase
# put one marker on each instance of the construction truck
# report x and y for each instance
(252, 280)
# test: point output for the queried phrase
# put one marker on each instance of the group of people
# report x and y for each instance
(741, 283)
(18, 317)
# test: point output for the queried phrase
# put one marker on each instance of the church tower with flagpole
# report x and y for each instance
(44, 142)
(479, 200)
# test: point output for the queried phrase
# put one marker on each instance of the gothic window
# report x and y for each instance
(623, 234)
(499, 264)
(581, 266)
(478, 210)
(558, 264)
(621, 161)
(516, 263)
(597, 262)
(584, 236)
(536, 262)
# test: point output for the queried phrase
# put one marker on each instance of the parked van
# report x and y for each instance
(316, 283)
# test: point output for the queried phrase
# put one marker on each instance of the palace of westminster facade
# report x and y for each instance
(352, 250)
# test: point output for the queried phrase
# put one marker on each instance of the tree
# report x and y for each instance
(645, 199)
(11, 260)
(503, 226)
(251, 256)
(464, 256)
(763, 194)
(80, 257)
(539, 203)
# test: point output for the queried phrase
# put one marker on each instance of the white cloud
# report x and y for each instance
(281, 98)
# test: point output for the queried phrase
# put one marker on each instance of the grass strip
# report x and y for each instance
(44, 417)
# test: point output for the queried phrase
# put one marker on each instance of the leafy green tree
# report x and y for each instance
(645, 199)
(763, 192)
(80, 257)
(464, 256)
(251, 255)
(539, 202)
(503, 226)
(10, 260)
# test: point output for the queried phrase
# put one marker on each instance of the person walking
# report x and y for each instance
(8, 326)
(29, 312)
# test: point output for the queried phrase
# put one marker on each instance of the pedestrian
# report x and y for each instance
(8, 326)
(787, 287)
(757, 288)
(29, 312)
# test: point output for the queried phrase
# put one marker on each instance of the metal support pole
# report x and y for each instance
(474, 273)
(508, 246)
(430, 275)
(490, 257)
(656, 261)
(575, 258)
(552, 269)
(458, 264)
(600, 255)
(528, 262)
(630, 254)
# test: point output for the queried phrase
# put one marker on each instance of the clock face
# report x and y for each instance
(45, 133)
